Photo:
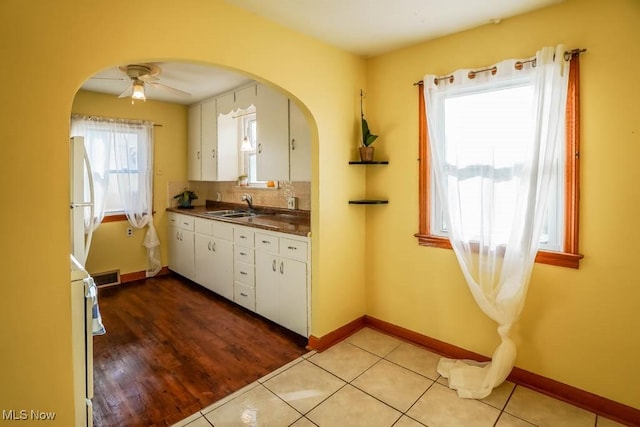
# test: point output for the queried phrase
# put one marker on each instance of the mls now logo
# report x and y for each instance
(23, 414)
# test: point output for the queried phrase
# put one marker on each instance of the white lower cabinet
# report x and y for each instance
(214, 256)
(181, 249)
(263, 271)
(282, 281)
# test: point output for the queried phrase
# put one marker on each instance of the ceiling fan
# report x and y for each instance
(142, 76)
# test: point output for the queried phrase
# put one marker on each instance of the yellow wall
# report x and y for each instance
(111, 248)
(579, 327)
(48, 50)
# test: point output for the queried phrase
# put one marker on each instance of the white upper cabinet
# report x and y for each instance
(283, 137)
(272, 119)
(194, 149)
(209, 142)
(299, 145)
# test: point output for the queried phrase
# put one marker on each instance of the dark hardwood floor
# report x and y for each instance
(173, 348)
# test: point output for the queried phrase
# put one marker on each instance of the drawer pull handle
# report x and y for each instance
(244, 273)
(243, 237)
(292, 248)
(243, 294)
(266, 242)
(243, 253)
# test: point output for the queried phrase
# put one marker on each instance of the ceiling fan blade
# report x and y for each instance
(148, 78)
(127, 92)
(109, 78)
(169, 89)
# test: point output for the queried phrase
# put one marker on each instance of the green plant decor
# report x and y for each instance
(185, 198)
(367, 137)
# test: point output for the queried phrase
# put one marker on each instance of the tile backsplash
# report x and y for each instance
(230, 192)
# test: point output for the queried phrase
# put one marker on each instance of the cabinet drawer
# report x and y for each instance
(203, 226)
(294, 249)
(172, 219)
(243, 254)
(185, 222)
(244, 273)
(243, 236)
(267, 243)
(222, 230)
(245, 296)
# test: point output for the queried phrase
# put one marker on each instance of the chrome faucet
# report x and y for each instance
(247, 198)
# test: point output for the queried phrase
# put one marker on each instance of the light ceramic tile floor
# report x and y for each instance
(371, 379)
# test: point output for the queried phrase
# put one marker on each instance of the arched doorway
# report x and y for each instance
(112, 246)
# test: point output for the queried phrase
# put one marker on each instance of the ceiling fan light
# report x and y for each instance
(138, 90)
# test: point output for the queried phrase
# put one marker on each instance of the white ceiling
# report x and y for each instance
(363, 27)
(372, 27)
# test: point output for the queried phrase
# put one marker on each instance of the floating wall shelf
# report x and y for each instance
(373, 162)
(369, 201)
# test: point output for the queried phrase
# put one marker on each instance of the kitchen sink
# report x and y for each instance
(229, 214)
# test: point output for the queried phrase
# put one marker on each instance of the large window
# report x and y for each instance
(489, 128)
(126, 146)
(120, 154)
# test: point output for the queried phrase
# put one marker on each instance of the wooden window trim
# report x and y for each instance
(114, 218)
(570, 256)
(117, 217)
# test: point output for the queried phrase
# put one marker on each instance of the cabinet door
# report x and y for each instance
(272, 121)
(299, 145)
(194, 154)
(173, 237)
(186, 254)
(267, 278)
(214, 265)
(209, 142)
(292, 292)
(204, 261)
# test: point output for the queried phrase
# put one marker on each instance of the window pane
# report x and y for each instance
(488, 133)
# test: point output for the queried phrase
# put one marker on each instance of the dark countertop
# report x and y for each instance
(273, 219)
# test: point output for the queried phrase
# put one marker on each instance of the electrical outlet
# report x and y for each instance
(129, 231)
(292, 203)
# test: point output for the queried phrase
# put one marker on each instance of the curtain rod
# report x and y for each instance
(114, 119)
(567, 56)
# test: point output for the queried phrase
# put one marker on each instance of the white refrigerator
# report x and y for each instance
(86, 320)
(82, 199)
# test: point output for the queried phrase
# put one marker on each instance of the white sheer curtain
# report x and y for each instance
(495, 240)
(124, 149)
(99, 154)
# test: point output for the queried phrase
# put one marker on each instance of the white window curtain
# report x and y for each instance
(99, 154)
(123, 148)
(497, 265)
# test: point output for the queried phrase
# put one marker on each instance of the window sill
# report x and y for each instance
(116, 217)
(560, 259)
